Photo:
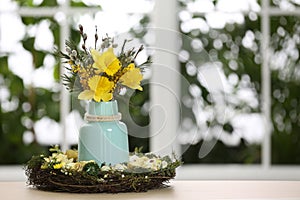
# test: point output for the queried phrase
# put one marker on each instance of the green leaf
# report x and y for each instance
(25, 2)
(16, 86)
(56, 72)
(78, 4)
(52, 110)
(38, 58)
(4, 65)
(30, 20)
(167, 159)
(51, 3)
(28, 43)
(75, 36)
(55, 28)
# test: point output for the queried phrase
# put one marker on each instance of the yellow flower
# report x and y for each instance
(103, 88)
(72, 154)
(132, 78)
(84, 74)
(61, 157)
(75, 68)
(130, 66)
(100, 89)
(44, 166)
(106, 62)
(78, 166)
(58, 165)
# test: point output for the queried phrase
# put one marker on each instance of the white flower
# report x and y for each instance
(105, 168)
(119, 167)
(70, 166)
(61, 157)
(138, 162)
(164, 164)
(100, 180)
(153, 163)
(133, 158)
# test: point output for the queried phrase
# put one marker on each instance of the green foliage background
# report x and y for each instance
(285, 82)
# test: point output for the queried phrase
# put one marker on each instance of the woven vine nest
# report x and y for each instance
(143, 172)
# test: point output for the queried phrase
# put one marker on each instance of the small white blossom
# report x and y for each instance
(133, 158)
(138, 162)
(119, 167)
(100, 180)
(164, 164)
(105, 168)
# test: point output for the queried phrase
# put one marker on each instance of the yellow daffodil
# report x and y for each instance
(130, 66)
(132, 78)
(106, 62)
(100, 89)
(58, 165)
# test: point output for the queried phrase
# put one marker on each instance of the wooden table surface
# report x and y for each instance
(185, 190)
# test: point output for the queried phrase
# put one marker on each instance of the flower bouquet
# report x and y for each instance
(98, 74)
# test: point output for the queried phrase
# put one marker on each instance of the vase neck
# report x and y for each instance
(103, 108)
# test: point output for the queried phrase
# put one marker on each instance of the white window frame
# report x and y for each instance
(196, 171)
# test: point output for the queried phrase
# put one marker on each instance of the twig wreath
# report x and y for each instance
(61, 172)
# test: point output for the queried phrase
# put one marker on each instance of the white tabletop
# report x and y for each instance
(189, 190)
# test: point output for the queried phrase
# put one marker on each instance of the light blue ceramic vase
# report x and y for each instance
(103, 141)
